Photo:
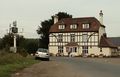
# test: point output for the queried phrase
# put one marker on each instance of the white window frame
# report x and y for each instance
(85, 49)
(72, 37)
(61, 27)
(85, 26)
(73, 26)
(84, 38)
(60, 49)
(60, 38)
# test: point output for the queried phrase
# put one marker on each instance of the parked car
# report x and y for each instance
(42, 54)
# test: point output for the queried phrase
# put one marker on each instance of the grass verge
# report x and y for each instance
(10, 63)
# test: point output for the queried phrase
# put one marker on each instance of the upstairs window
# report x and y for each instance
(84, 38)
(72, 38)
(73, 26)
(60, 38)
(61, 27)
(85, 26)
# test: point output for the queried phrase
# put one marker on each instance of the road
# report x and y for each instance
(94, 67)
(73, 67)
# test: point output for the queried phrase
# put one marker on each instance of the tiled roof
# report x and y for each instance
(115, 40)
(94, 25)
(105, 42)
(72, 44)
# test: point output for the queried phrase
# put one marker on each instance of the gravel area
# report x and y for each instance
(48, 69)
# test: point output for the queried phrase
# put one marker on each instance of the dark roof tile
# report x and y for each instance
(105, 42)
(94, 25)
(115, 40)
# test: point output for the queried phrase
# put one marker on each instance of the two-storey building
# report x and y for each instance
(83, 36)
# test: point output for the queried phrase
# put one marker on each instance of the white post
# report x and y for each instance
(15, 47)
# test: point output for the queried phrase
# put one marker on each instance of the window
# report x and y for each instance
(85, 49)
(61, 27)
(72, 37)
(60, 49)
(84, 38)
(85, 26)
(60, 38)
(73, 26)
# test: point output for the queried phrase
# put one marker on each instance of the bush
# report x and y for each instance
(9, 58)
(12, 62)
(22, 52)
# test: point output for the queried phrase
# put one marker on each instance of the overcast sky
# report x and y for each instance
(29, 13)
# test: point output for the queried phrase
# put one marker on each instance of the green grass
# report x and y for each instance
(10, 63)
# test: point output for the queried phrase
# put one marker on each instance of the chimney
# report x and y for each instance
(55, 19)
(101, 17)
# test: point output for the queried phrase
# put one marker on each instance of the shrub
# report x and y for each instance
(9, 58)
(22, 52)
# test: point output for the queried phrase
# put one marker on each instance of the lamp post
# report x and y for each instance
(90, 36)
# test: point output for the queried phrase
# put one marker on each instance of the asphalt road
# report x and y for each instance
(92, 67)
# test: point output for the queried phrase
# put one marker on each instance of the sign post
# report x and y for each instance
(15, 31)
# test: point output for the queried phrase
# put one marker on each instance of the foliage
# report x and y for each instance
(30, 45)
(43, 30)
(7, 41)
(24, 45)
(10, 63)
(22, 52)
(1, 43)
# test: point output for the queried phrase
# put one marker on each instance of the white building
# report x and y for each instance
(82, 36)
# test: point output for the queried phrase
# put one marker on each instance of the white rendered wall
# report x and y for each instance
(96, 51)
(53, 50)
(101, 32)
(106, 51)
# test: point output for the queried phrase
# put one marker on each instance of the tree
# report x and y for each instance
(7, 40)
(30, 45)
(43, 30)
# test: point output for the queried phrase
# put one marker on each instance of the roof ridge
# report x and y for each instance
(78, 18)
(94, 24)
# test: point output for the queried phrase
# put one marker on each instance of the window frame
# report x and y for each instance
(84, 38)
(60, 38)
(60, 49)
(72, 37)
(61, 26)
(85, 25)
(85, 49)
(73, 26)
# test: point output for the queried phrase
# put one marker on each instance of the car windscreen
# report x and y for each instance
(42, 50)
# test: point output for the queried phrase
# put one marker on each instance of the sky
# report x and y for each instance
(30, 13)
